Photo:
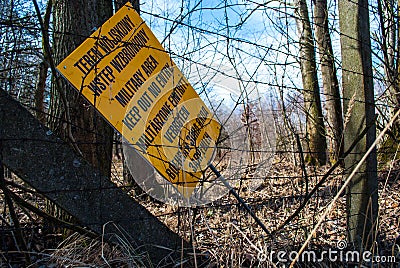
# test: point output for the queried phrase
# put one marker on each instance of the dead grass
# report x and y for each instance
(227, 235)
(80, 251)
(226, 232)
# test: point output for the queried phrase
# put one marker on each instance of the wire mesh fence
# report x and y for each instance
(244, 60)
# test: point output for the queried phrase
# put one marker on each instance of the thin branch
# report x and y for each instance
(46, 45)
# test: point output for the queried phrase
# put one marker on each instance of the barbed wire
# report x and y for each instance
(295, 191)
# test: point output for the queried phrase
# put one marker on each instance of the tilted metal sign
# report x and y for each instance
(124, 71)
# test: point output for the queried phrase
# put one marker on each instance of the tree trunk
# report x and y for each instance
(73, 22)
(388, 31)
(315, 129)
(329, 79)
(39, 91)
(43, 68)
(388, 24)
(358, 95)
(120, 3)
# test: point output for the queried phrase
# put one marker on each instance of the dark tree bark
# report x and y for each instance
(73, 22)
(40, 90)
(120, 3)
(329, 79)
(359, 106)
(315, 129)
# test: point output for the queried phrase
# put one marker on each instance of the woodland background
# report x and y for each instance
(326, 72)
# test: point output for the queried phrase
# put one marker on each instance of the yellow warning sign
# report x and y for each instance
(124, 71)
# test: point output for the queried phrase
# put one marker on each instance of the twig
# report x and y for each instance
(241, 201)
(192, 235)
(19, 237)
(303, 162)
(47, 216)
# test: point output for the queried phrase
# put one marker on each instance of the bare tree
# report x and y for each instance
(315, 129)
(387, 44)
(387, 21)
(329, 79)
(358, 94)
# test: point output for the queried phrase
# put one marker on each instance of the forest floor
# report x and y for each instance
(223, 231)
